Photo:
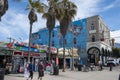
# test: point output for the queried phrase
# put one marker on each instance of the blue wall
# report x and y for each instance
(81, 38)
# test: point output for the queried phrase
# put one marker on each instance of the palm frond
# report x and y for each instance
(68, 12)
(45, 15)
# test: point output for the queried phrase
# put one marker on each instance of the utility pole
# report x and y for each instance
(72, 67)
(75, 30)
(9, 39)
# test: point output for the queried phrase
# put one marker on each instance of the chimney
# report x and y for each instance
(113, 42)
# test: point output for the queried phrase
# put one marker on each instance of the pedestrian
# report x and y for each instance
(75, 64)
(111, 67)
(36, 65)
(26, 71)
(100, 65)
(52, 66)
(48, 67)
(4, 63)
(30, 68)
(40, 70)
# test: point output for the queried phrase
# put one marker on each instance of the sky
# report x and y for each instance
(116, 35)
(15, 22)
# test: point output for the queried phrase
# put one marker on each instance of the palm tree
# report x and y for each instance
(66, 13)
(50, 15)
(33, 5)
(3, 7)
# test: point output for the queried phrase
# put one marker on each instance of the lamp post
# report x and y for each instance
(75, 30)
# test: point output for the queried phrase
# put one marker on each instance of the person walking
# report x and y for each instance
(40, 70)
(111, 66)
(30, 68)
(4, 63)
(52, 66)
(100, 65)
(26, 71)
(48, 67)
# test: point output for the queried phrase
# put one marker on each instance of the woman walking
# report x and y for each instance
(40, 70)
(26, 71)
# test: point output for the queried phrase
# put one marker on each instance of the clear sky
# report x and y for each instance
(15, 22)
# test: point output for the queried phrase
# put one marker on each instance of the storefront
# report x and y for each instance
(6, 56)
(21, 55)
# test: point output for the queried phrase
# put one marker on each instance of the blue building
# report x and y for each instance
(76, 37)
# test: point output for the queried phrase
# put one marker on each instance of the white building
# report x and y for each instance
(99, 42)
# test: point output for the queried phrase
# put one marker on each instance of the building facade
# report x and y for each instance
(91, 36)
(99, 42)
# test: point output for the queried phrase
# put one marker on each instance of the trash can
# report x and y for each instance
(79, 67)
(2, 73)
(56, 70)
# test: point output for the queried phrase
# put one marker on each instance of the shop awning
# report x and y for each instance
(60, 52)
(68, 53)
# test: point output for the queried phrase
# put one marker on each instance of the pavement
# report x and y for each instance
(73, 75)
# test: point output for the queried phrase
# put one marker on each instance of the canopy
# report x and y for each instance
(60, 52)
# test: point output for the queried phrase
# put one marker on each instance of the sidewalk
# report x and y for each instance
(72, 75)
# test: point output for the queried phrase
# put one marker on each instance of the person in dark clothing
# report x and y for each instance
(4, 63)
(4, 66)
(111, 66)
(40, 70)
(30, 68)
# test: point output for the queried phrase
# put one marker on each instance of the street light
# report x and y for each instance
(75, 30)
(3, 7)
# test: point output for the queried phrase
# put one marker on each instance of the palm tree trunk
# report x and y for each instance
(49, 46)
(30, 34)
(72, 67)
(64, 54)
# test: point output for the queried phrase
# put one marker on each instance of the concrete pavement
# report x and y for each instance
(73, 75)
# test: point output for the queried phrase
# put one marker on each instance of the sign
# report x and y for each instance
(25, 54)
(25, 48)
(18, 53)
(53, 50)
(92, 31)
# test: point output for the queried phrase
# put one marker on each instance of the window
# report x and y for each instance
(93, 38)
(53, 34)
(74, 40)
(41, 43)
(65, 41)
(92, 26)
(52, 43)
(39, 36)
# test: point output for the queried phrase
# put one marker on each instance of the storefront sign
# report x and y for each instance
(24, 48)
(17, 53)
(25, 54)
(53, 50)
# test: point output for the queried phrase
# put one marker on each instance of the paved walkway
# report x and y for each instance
(72, 75)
